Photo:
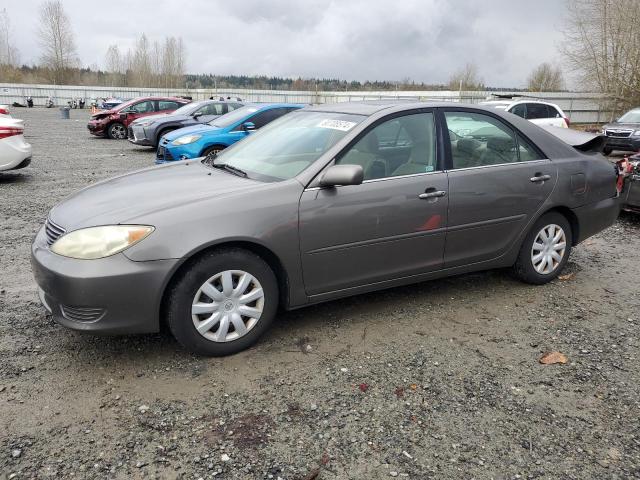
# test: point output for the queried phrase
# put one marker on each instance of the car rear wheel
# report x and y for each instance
(223, 302)
(212, 151)
(117, 131)
(545, 250)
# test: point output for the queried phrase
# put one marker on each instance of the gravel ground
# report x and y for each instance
(436, 380)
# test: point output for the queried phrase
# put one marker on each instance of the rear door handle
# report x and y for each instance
(540, 178)
(436, 194)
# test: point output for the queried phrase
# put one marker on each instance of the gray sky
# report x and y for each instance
(425, 40)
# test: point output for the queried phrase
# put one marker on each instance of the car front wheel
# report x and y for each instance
(222, 302)
(545, 250)
(117, 131)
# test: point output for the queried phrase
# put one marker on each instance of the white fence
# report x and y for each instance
(580, 107)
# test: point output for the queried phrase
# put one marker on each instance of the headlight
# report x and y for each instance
(145, 124)
(186, 139)
(99, 242)
(636, 133)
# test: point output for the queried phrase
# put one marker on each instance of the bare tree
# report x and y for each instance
(602, 41)
(8, 52)
(546, 78)
(466, 79)
(57, 41)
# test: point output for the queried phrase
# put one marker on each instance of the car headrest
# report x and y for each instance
(468, 145)
(501, 144)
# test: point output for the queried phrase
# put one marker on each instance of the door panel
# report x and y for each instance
(382, 229)
(498, 182)
(489, 207)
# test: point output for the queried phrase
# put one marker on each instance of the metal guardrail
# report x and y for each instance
(580, 107)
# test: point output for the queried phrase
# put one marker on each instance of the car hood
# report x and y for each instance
(134, 195)
(102, 113)
(625, 126)
(193, 130)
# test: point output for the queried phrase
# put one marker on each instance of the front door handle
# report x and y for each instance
(540, 178)
(434, 194)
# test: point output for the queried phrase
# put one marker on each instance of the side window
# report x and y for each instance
(233, 106)
(262, 118)
(212, 109)
(520, 110)
(480, 140)
(526, 151)
(142, 107)
(416, 154)
(553, 112)
(536, 110)
(167, 105)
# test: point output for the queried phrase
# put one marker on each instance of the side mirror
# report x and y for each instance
(342, 175)
(248, 126)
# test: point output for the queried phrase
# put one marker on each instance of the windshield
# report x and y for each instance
(285, 147)
(233, 117)
(632, 116)
(187, 109)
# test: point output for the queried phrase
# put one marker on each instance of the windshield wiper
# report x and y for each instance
(230, 168)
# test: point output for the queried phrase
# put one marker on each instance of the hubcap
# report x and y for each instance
(118, 131)
(227, 306)
(548, 249)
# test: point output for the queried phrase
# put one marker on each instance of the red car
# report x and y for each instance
(114, 123)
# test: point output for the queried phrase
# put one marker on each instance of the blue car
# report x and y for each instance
(218, 134)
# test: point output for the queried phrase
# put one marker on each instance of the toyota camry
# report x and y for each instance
(325, 202)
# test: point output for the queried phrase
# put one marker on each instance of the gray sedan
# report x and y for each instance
(326, 202)
(148, 131)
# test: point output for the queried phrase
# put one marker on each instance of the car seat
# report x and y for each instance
(467, 153)
(365, 154)
(499, 150)
(420, 160)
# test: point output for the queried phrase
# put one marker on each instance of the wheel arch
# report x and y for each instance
(571, 218)
(218, 144)
(111, 122)
(254, 247)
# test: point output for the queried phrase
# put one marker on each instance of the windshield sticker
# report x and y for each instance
(337, 125)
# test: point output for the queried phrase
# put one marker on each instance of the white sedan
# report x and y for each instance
(15, 152)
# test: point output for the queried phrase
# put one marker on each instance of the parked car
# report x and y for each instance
(15, 152)
(215, 136)
(327, 202)
(624, 133)
(537, 111)
(147, 131)
(113, 123)
(632, 199)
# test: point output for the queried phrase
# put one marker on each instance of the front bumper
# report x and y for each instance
(626, 144)
(97, 129)
(167, 152)
(112, 295)
(138, 136)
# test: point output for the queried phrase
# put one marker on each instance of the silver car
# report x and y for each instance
(326, 202)
(147, 131)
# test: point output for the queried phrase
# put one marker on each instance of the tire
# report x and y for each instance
(524, 267)
(606, 151)
(208, 272)
(117, 131)
(161, 134)
(215, 149)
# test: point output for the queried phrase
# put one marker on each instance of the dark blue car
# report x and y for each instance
(202, 140)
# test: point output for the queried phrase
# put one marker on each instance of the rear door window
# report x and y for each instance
(167, 105)
(519, 110)
(536, 110)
